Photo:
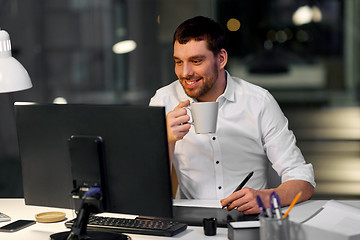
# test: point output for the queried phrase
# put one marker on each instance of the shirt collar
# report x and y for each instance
(229, 93)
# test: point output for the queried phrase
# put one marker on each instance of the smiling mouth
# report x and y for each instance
(192, 82)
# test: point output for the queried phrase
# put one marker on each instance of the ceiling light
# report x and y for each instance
(125, 46)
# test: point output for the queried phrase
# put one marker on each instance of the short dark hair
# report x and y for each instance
(202, 28)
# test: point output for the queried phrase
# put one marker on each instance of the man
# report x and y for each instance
(251, 128)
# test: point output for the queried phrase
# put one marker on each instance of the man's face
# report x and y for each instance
(197, 69)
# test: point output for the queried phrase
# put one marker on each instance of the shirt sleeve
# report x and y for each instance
(155, 101)
(161, 100)
(280, 145)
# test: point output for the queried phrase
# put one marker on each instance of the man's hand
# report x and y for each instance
(177, 122)
(244, 200)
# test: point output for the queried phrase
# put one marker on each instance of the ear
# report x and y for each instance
(222, 58)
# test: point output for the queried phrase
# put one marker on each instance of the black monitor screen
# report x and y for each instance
(136, 154)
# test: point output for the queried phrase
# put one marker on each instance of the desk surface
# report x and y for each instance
(17, 209)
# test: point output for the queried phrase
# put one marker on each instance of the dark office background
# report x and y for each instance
(305, 52)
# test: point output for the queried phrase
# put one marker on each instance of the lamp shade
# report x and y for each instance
(13, 76)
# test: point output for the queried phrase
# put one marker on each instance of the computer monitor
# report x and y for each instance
(135, 146)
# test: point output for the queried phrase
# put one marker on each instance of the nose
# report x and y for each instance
(187, 70)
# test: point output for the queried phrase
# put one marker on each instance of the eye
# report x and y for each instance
(197, 61)
(177, 62)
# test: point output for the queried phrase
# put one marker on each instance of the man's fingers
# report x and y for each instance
(183, 104)
(232, 197)
(176, 113)
(243, 200)
(177, 122)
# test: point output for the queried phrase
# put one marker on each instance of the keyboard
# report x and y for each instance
(145, 226)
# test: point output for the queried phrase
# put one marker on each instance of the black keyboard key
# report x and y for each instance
(147, 226)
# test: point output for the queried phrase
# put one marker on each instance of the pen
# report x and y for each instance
(275, 202)
(261, 206)
(292, 204)
(241, 185)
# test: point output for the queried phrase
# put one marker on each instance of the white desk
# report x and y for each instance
(17, 209)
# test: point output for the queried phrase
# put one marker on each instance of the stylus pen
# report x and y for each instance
(242, 184)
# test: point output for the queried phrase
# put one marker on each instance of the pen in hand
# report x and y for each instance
(242, 184)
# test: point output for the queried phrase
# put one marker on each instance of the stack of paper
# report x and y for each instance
(335, 221)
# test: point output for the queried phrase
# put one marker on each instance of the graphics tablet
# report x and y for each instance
(193, 216)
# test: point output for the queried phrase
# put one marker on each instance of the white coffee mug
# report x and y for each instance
(204, 116)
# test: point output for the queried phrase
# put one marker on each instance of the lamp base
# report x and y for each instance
(90, 235)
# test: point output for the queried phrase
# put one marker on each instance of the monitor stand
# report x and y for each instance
(78, 230)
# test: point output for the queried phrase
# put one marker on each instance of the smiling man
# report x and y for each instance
(198, 70)
(251, 131)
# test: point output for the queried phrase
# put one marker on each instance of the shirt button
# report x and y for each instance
(217, 162)
(214, 138)
(219, 187)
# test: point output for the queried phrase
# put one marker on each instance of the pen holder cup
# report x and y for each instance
(274, 228)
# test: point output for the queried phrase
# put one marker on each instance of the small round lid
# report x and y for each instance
(50, 217)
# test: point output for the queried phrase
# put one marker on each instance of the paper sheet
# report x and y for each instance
(337, 217)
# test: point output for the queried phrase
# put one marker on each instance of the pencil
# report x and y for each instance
(292, 204)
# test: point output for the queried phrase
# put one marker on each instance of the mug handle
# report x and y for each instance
(192, 120)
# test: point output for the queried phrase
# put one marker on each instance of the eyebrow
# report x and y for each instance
(191, 58)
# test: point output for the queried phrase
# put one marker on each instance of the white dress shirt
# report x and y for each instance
(251, 130)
